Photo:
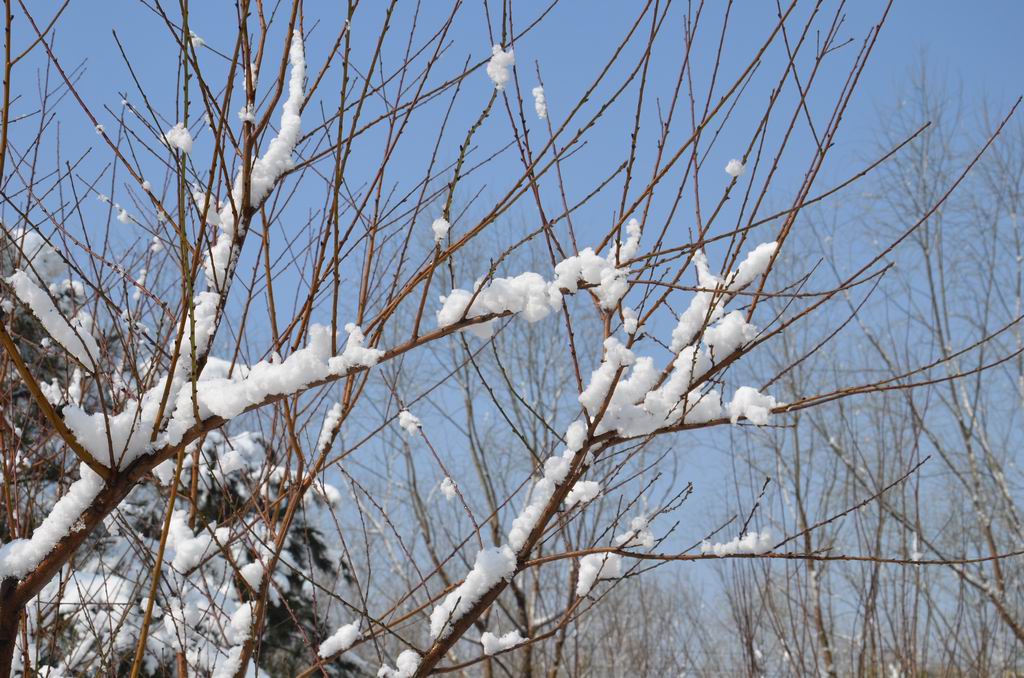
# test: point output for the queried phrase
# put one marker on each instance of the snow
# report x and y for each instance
(616, 356)
(729, 334)
(754, 265)
(636, 397)
(227, 398)
(38, 258)
(491, 566)
(246, 114)
(202, 613)
(252, 573)
(527, 294)
(531, 296)
(129, 430)
(340, 640)
(540, 102)
(20, 556)
(278, 158)
(140, 282)
(448, 488)
(499, 65)
(707, 307)
(179, 138)
(735, 168)
(636, 407)
(494, 644)
(642, 400)
(629, 320)
(575, 435)
(407, 663)
(331, 421)
(604, 272)
(190, 549)
(556, 468)
(638, 536)
(409, 421)
(702, 307)
(584, 491)
(230, 665)
(329, 492)
(265, 171)
(126, 435)
(597, 566)
(73, 336)
(440, 228)
(751, 404)
(240, 625)
(752, 542)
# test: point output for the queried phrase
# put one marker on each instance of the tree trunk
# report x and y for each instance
(10, 614)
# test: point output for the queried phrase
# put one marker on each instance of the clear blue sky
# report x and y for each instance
(974, 43)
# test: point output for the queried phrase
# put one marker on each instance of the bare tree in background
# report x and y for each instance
(953, 285)
(368, 390)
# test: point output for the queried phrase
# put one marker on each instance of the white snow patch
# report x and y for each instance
(629, 320)
(491, 566)
(246, 114)
(37, 257)
(327, 430)
(240, 625)
(540, 102)
(494, 644)
(752, 542)
(735, 168)
(406, 665)
(638, 536)
(179, 138)
(584, 491)
(728, 334)
(750, 403)
(440, 228)
(597, 566)
(265, 171)
(20, 556)
(556, 468)
(340, 640)
(252, 573)
(409, 421)
(530, 295)
(499, 65)
(448, 488)
(73, 336)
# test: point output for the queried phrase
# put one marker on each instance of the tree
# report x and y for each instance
(336, 411)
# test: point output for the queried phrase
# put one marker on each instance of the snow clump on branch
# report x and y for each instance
(499, 65)
(493, 644)
(529, 295)
(752, 542)
(179, 138)
(540, 102)
(597, 566)
(492, 566)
